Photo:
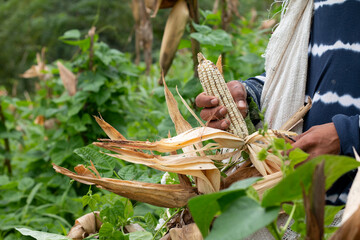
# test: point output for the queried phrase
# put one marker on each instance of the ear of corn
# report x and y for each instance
(214, 85)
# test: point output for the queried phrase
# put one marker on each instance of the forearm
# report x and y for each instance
(348, 130)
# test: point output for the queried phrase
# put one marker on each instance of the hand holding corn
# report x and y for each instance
(216, 114)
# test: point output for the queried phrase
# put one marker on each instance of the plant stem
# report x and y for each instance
(195, 45)
(283, 229)
(167, 220)
(7, 162)
(275, 230)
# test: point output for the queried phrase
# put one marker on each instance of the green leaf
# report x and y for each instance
(330, 212)
(244, 217)
(141, 235)
(290, 189)
(262, 154)
(297, 156)
(71, 34)
(89, 81)
(25, 183)
(204, 208)
(4, 179)
(201, 28)
(41, 235)
(150, 220)
(128, 172)
(103, 163)
(91, 200)
(108, 231)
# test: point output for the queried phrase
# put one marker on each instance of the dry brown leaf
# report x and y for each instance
(169, 196)
(110, 131)
(68, 79)
(85, 226)
(187, 232)
(174, 30)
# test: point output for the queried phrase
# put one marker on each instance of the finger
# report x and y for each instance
(220, 124)
(215, 113)
(243, 107)
(238, 92)
(205, 101)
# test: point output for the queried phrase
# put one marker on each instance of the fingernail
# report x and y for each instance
(241, 104)
(214, 101)
(223, 111)
(224, 125)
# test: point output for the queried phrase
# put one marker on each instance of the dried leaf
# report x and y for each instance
(174, 30)
(190, 137)
(111, 132)
(85, 225)
(169, 196)
(68, 78)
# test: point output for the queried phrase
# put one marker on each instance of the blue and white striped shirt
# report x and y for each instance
(333, 77)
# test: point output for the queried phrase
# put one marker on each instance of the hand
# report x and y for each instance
(318, 140)
(214, 113)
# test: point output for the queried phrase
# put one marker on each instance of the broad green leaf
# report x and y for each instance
(141, 235)
(290, 189)
(103, 163)
(91, 200)
(202, 28)
(41, 235)
(244, 217)
(150, 220)
(330, 212)
(71, 34)
(108, 231)
(297, 156)
(204, 208)
(25, 183)
(220, 37)
(4, 179)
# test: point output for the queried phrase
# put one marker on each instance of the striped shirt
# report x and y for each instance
(333, 78)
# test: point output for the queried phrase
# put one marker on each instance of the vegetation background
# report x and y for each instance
(40, 123)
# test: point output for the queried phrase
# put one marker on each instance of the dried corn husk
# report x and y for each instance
(68, 78)
(39, 69)
(85, 226)
(212, 181)
(169, 196)
(174, 30)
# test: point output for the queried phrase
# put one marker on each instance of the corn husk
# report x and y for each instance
(85, 226)
(68, 79)
(169, 196)
(174, 30)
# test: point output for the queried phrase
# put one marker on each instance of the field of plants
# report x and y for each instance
(47, 114)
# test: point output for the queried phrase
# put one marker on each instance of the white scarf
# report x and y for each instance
(286, 60)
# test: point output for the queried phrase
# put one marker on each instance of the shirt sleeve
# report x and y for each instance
(254, 87)
(348, 129)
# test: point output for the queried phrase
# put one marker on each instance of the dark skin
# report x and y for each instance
(318, 140)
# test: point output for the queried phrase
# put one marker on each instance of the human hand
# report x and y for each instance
(318, 140)
(214, 113)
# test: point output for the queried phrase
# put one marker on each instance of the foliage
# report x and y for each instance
(240, 204)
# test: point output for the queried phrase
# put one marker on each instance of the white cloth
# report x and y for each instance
(286, 60)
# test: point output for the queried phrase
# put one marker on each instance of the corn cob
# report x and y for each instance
(214, 85)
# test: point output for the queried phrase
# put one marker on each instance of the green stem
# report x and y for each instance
(275, 231)
(283, 229)
(167, 220)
